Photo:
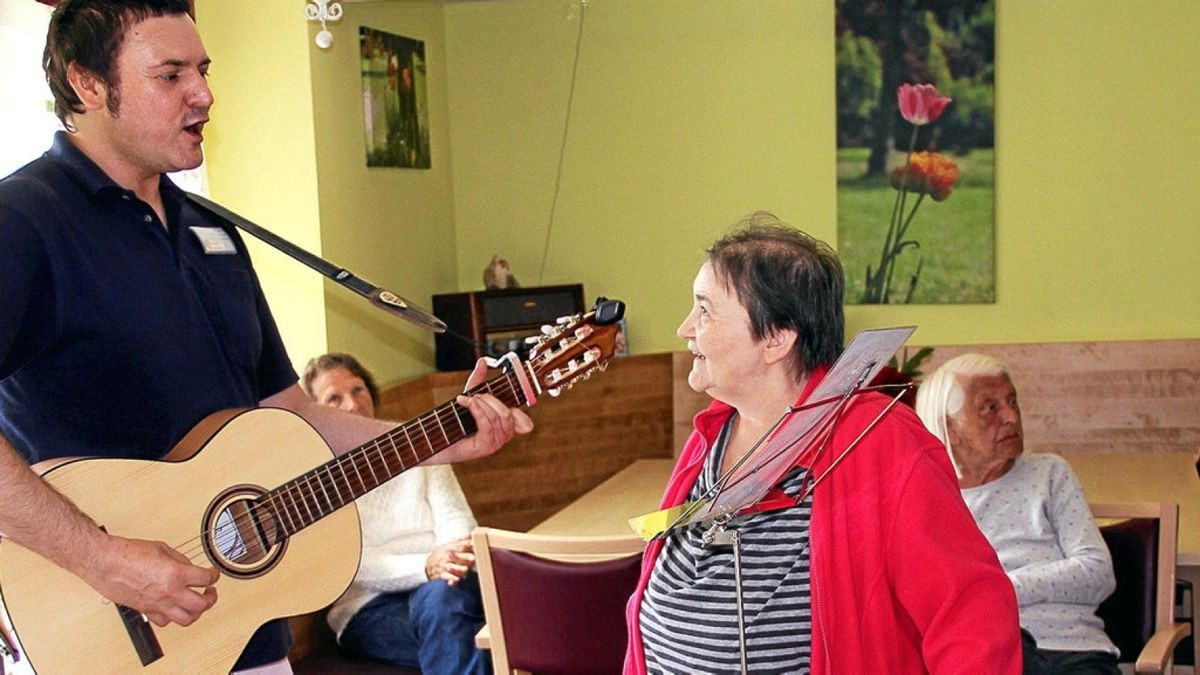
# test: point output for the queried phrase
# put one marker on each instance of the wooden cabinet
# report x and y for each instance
(493, 323)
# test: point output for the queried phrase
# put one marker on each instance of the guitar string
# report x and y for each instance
(326, 480)
(304, 496)
(302, 491)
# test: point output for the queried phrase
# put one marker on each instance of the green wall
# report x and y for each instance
(391, 226)
(688, 114)
(286, 149)
(259, 149)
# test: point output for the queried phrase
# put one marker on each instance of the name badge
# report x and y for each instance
(214, 240)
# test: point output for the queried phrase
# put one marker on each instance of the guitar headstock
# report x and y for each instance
(576, 346)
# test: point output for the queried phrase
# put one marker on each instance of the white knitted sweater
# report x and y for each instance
(1037, 518)
(402, 522)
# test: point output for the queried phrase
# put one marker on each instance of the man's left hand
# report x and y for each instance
(495, 422)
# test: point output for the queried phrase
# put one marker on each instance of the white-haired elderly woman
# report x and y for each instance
(1033, 511)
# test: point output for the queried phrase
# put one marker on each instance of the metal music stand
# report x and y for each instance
(800, 435)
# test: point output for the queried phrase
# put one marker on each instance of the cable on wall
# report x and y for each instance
(562, 150)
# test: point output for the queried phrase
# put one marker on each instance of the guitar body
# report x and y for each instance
(257, 495)
(63, 625)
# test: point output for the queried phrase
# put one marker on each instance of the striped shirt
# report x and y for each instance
(689, 611)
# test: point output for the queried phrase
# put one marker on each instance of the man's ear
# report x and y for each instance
(779, 345)
(90, 89)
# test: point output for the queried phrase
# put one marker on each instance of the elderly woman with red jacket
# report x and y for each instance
(879, 567)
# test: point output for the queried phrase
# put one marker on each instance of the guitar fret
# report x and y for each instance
(274, 509)
(304, 495)
(345, 465)
(371, 468)
(289, 508)
(392, 460)
(327, 507)
(340, 500)
(385, 456)
(438, 418)
(361, 480)
(383, 463)
(408, 438)
(411, 446)
(511, 385)
(457, 410)
(426, 435)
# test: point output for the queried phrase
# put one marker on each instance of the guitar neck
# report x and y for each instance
(310, 497)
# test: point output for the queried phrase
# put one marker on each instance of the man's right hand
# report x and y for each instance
(151, 577)
(147, 576)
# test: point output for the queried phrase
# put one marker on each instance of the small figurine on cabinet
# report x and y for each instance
(497, 276)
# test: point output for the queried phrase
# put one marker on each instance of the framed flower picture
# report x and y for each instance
(916, 151)
(395, 102)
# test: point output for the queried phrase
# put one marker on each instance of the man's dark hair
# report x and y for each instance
(89, 33)
(786, 280)
(333, 361)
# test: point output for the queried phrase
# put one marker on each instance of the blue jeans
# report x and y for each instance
(432, 627)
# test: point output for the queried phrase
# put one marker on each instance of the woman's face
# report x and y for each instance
(726, 357)
(988, 428)
(341, 389)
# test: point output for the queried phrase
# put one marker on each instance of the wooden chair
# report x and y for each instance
(556, 604)
(1139, 616)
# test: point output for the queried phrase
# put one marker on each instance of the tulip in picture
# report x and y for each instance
(924, 174)
(921, 104)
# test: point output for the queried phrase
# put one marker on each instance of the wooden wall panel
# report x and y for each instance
(1075, 397)
(1102, 396)
(579, 440)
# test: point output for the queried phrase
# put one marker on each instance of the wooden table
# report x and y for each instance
(634, 490)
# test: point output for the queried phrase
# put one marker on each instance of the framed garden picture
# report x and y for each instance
(916, 150)
(395, 103)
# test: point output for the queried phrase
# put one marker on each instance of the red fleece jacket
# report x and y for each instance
(902, 579)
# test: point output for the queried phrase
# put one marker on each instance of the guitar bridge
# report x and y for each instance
(141, 634)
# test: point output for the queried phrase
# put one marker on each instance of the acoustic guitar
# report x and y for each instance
(240, 493)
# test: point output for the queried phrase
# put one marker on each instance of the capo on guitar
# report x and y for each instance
(506, 363)
(511, 363)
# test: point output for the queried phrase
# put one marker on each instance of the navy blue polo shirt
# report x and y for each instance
(117, 334)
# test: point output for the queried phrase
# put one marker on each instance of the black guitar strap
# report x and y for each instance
(381, 298)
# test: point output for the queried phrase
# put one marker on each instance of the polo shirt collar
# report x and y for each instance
(89, 175)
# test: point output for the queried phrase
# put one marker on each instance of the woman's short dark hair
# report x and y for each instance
(89, 33)
(786, 280)
(333, 361)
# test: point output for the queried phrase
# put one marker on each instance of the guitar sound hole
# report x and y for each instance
(229, 538)
(241, 537)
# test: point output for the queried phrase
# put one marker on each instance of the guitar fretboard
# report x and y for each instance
(310, 497)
